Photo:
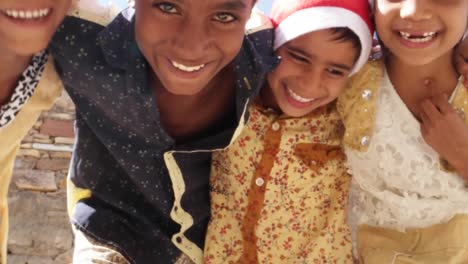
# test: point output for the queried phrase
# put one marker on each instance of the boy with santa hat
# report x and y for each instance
(279, 192)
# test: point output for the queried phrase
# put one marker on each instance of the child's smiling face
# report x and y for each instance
(419, 31)
(314, 70)
(26, 26)
(188, 42)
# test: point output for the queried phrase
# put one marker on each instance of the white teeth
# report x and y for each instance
(27, 15)
(187, 68)
(404, 34)
(426, 36)
(299, 98)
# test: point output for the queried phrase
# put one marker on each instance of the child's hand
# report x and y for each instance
(446, 132)
(461, 60)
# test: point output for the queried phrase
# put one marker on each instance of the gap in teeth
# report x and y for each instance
(427, 36)
(187, 68)
(28, 14)
(299, 98)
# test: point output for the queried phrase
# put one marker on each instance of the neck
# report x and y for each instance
(436, 77)
(208, 92)
(11, 68)
(267, 99)
(187, 116)
(414, 84)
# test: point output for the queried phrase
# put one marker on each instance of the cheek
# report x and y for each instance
(276, 76)
(286, 68)
(146, 32)
(230, 43)
(65, 5)
(337, 88)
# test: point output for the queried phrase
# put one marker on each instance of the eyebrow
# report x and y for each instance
(231, 5)
(310, 56)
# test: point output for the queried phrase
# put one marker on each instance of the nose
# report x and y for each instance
(192, 37)
(415, 10)
(311, 84)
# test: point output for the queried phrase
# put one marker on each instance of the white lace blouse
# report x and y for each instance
(398, 183)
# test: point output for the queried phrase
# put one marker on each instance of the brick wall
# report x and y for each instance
(40, 232)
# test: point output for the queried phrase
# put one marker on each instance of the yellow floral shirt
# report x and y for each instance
(279, 192)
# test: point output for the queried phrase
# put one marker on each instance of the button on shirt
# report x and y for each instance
(131, 184)
(279, 192)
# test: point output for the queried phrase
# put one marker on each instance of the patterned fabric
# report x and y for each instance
(397, 182)
(24, 89)
(357, 106)
(279, 193)
(131, 184)
(44, 96)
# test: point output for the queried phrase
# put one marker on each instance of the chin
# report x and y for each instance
(29, 50)
(187, 91)
(293, 113)
(418, 61)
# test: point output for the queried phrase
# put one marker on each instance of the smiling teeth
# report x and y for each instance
(187, 68)
(299, 98)
(29, 14)
(427, 36)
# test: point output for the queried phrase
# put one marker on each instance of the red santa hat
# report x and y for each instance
(294, 18)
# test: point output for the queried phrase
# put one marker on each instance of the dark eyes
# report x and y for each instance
(166, 7)
(297, 57)
(225, 17)
(335, 72)
(303, 60)
(169, 8)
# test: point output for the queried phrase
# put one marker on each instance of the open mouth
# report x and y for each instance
(27, 14)
(419, 37)
(186, 68)
(299, 98)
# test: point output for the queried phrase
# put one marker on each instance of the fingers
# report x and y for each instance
(425, 124)
(429, 112)
(442, 104)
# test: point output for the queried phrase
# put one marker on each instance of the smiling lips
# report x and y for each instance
(299, 98)
(186, 68)
(27, 14)
(418, 38)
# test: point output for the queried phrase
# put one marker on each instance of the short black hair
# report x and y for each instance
(343, 34)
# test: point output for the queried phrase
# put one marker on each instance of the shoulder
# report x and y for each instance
(259, 29)
(258, 22)
(460, 101)
(260, 34)
(98, 12)
(85, 20)
(357, 104)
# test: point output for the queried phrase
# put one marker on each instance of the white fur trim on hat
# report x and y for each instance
(324, 17)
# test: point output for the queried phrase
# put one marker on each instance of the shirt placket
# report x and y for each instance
(256, 196)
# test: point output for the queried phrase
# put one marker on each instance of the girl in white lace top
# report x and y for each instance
(407, 138)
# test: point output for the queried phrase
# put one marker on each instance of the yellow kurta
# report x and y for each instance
(47, 91)
(279, 192)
